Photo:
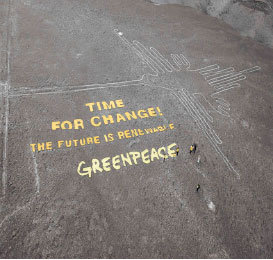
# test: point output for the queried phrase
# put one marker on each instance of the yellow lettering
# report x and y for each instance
(105, 164)
(96, 165)
(60, 143)
(49, 145)
(126, 159)
(68, 143)
(66, 123)
(86, 170)
(151, 111)
(127, 134)
(110, 106)
(145, 158)
(164, 154)
(33, 147)
(98, 105)
(82, 141)
(159, 112)
(106, 119)
(119, 103)
(78, 123)
(92, 120)
(171, 153)
(142, 113)
(89, 140)
(140, 132)
(130, 116)
(90, 105)
(120, 135)
(41, 146)
(55, 125)
(115, 161)
(135, 156)
(134, 132)
(154, 154)
(120, 117)
(97, 140)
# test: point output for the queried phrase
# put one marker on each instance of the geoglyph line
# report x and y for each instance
(200, 118)
(221, 79)
(6, 108)
(202, 109)
(217, 149)
(69, 89)
(222, 103)
(5, 146)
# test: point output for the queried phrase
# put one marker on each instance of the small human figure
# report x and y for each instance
(164, 157)
(193, 148)
(197, 187)
(177, 151)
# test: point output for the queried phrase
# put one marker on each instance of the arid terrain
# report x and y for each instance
(96, 97)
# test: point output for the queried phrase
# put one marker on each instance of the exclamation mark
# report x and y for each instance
(159, 112)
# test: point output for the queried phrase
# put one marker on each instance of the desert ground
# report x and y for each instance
(96, 97)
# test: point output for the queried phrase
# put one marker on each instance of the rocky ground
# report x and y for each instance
(95, 98)
(252, 18)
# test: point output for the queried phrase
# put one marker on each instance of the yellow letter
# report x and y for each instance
(120, 135)
(97, 140)
(78, 123)
(154, 154)
(127, 134)
(162, 155)
(93, 122)
(126, 159)
(96, 165)
(110, 106)
(140, 132)
(49, 145)
(86, 170)
(33, 147)
(89, 140)
(151, 111)
(115, 161)
(108, 118)
(120, 117)
(130, 116)
(41, 146)
(119, 103)
(68, 123)
(106, 164)
(171, 153)
(145, 159)
(142, 113)
(60, 143)
(55, 125)
(135, 155)
(90, 105)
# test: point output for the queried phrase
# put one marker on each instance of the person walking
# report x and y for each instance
(198, 187)
(177, 151)
(193, 148)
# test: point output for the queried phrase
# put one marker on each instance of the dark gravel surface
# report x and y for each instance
(212, 87)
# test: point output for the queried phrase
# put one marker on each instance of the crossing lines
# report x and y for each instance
(193, 111)
(218, 79)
